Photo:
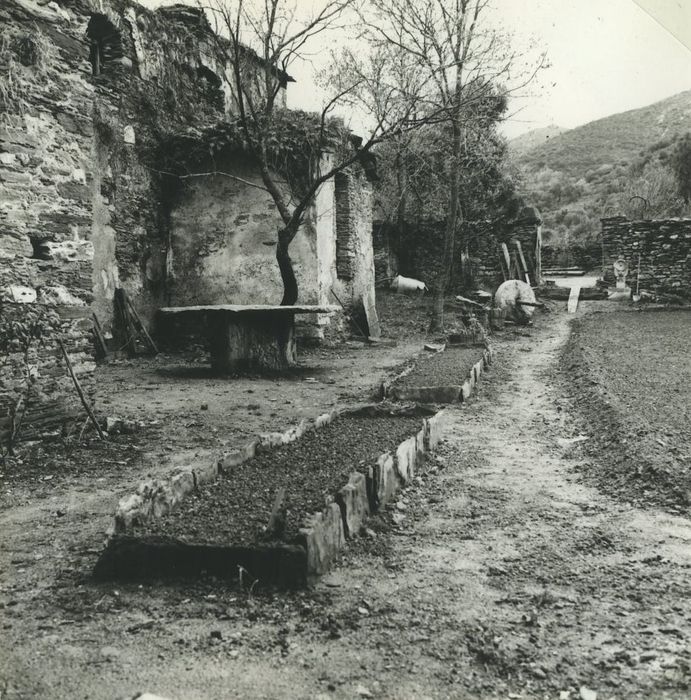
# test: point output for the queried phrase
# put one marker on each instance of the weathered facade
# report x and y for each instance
(664, 248)
(87, 90)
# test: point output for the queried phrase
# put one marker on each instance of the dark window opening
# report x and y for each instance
(27, 51)
(210, 85)
(41, 251)
(105, 45)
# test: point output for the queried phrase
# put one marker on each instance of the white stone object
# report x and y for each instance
(621, 270)
(22, 295)
(508, 296)
(402, 284)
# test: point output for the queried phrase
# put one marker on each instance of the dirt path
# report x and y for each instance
(507, 578)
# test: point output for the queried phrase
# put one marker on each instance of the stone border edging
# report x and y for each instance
(155, 498)
(323, 534)
(451, 393)
(289, 565)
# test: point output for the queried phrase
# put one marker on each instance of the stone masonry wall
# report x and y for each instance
(664, 247)
(477, 256)
(354, 264)
(223, 234)
(86, 87)
(46, 251)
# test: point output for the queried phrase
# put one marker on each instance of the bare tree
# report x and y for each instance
(455, 63)
(261, 39)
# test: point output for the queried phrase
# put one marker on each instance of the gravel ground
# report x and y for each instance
(310, 469)
(69, 459)
(443, 368)
(508, 577)
(632, 376)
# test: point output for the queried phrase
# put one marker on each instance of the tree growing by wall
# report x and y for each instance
(460, 68)
(413, 175)
(261, 41)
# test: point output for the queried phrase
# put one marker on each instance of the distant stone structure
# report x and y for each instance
(89, 90)
(416, 250)
(664, 247)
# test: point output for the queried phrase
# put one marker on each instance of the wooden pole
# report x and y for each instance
(522, 259)
(507, 259)
(120, 299)
(78, 387)
(277, 519)
(503, 269)
(101, 347)
(140, 323)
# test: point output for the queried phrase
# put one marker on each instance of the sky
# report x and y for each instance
(604, 56)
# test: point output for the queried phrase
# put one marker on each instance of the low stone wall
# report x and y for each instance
(664, 247)
(586, 257)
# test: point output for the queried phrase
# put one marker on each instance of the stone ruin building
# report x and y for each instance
(89, 88)
(417, 250)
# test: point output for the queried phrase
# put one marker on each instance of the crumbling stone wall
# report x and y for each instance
(88, 94)
(664, 247)
(86, 89)
(418, 249)
(223, 235)
(46, 251)
(353, 266)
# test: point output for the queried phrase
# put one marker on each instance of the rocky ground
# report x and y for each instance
(503, 575)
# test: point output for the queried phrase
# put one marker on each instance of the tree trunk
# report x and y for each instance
(444, 276)
(285, 265)
(401, 184)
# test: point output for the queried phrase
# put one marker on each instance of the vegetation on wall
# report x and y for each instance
(295, 142)
(22, 328)
(24, 58)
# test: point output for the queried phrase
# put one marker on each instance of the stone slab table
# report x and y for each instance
(257, 336)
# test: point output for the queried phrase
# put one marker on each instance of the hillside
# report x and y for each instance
(524, 143)
(580, 175)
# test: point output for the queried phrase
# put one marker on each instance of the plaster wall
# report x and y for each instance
(223, 235)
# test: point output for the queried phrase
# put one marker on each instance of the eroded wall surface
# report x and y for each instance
(224, 234)
(81, 211)
(88, 90)
(354, 265)
(46, 189)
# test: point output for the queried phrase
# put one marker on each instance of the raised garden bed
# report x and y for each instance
(237, 506)
(333, 476)
(442, 377)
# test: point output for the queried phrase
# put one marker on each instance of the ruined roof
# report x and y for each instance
(195, 20)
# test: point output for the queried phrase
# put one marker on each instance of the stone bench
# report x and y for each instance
(257, 336)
